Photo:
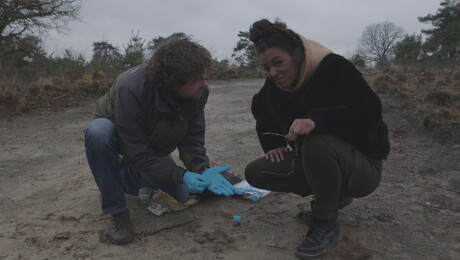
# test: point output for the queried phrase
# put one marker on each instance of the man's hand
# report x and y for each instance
(301, 126)
(218, 184)
(277, 154)
(195, 182)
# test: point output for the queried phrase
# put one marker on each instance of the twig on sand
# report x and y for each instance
(151, 233)
(278, 247)
(61, 96)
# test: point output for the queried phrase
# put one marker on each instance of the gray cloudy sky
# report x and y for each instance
(337, 24)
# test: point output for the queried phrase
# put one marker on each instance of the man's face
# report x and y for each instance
(193, 89)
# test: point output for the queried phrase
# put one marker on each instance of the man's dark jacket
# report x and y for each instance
(151, 124)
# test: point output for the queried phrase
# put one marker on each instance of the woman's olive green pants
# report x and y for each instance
(326, 167)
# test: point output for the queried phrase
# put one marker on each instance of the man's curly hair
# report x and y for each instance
(177, 61)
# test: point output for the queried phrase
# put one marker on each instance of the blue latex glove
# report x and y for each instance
(218, 184)
(195, 182)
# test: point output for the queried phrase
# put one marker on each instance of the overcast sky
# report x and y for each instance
(337, 24)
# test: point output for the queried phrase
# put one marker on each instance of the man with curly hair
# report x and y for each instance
(151, 110)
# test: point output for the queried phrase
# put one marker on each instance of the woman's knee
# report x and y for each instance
(250, 172)
(253, 170)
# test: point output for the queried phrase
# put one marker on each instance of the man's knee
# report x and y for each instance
(99, 131)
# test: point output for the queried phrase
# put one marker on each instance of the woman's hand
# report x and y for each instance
(300, 126)
(277, 154)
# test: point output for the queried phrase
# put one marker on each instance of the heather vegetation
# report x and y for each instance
(420, 69)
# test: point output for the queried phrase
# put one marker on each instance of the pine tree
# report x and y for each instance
(443, 40)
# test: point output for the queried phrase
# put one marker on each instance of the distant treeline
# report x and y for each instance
(24, 64)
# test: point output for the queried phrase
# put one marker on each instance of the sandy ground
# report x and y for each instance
(49, 204)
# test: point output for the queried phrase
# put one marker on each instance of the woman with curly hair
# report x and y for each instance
(320, 126)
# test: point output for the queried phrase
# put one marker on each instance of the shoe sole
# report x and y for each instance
(304, 255)
(120, 242)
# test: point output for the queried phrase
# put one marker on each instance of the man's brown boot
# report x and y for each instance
(120, 231)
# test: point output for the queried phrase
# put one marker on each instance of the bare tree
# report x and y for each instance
(23, 20)
(377, 41)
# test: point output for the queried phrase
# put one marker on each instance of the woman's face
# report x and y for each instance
(281, 67)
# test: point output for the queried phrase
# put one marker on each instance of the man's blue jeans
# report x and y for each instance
(114, 179)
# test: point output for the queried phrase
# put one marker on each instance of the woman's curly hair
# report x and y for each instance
(265, 34)
(177, 61)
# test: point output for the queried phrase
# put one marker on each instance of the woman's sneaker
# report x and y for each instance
(321, 236)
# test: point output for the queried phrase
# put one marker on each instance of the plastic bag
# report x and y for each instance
(160, 202)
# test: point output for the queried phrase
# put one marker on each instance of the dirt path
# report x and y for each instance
(49, 205)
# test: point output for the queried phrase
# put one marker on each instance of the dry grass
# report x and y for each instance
(236, 73)
(23, 91)
(432, 95)
(20, 95)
